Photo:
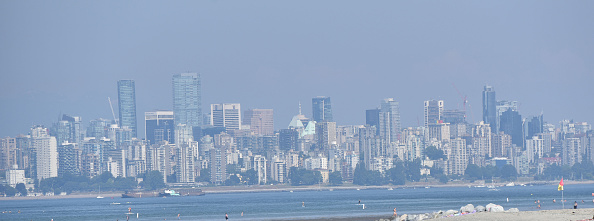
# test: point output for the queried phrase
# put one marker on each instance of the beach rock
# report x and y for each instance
(467, 209)
(480, 209)
(489, 206)
(513, 210)
(450, 212)
(404, 217)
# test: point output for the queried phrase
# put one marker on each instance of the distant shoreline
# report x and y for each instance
(279, 188)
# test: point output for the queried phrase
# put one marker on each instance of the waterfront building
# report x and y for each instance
(46, 149)
(127, 105)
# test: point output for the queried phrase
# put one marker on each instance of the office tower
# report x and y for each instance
(226, 115)
(46, 148)
(98, 128)
(159, 126)
(500, 143)
(372, 118)
(391, 107)
(326, 135)
(433, 111)
(288, 139)
(260, 168)
(534, 126)
(503, 106)
(68, 129)
(187, 99)
(572, 148)
(261, 121)
(438, 132)
(321, 109)
(453, 116)
(489, 107)
(127, 105)
(8, 153)
(511, 124)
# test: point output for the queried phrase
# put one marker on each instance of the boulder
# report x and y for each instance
(480, 209)
(404, 217)
(497, 208)
(489, 206)
(450, 212)
(513, 210)
(467, 209)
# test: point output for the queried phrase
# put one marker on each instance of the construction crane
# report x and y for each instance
(112, 113)
(464, 102)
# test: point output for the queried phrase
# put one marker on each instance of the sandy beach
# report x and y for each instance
(552, 215)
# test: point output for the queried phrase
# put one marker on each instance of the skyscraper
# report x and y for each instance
(321, 109)
(127, 105)
(46, 148)
(226, 115)
(511, 124)
(390, 106)
(433, 111)
(261, 121)
(187, 99)
(489, 107)
(159, 126)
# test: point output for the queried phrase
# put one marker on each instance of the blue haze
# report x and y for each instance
(66, 56)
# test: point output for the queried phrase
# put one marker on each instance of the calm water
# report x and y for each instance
(288, 205)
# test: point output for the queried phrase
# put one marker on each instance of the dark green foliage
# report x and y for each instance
(250, 177)
(335, 178)
(396, 175)
(366, 177)
(232, 181)
(8, 190)
(473, 172)
(153, 180)
(172, 178)
(413, 170)
(204, 176)
(433, 153)
(69, 183)
(20, 187)
(304, 177)
(509, 172)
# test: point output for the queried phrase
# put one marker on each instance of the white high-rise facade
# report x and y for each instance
(226, 115)
(433, 111)
(46, 148)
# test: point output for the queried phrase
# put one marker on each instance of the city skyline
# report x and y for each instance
(535, 53)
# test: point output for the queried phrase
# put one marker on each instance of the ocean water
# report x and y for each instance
(288, 205)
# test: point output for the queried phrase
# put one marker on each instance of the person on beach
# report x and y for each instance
(554, 201)
(302, 204)
(226, 216)
(359, 201)
(538, 206)
(574, 204)
(395, 214)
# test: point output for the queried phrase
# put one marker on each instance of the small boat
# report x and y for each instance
(99, 196)
(510, 184)
(390, 188)
(115, 203)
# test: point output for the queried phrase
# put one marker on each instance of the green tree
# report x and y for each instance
(9, 191)
(232, 181)
(509, 172)
(335, 178)
(396, 174)
(413, 170)
(22, 189)
(300, 176)
(153, 180)
(365, 177)
(473, 172)
(204, 175)
(250, 177)
(433, 153)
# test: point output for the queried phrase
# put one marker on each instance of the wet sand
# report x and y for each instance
(565, 215)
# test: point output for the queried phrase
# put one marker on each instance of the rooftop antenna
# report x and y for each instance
(112, 113)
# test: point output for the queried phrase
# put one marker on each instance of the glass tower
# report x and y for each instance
(322, 109)
(127, 105)
(187, 99)
(490, 107)
(390, 119)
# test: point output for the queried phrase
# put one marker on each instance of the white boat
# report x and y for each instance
(115, 203)
(99, 196)
(510, 184)
(390, 188)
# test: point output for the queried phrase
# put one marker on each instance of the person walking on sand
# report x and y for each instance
(395, 214)
(574, 204)
(226, 216)
(538, 206)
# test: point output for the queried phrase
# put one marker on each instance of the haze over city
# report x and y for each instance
(66, 57)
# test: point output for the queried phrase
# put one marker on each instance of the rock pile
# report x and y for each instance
(468, 209)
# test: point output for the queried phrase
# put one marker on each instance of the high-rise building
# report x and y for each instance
(534, 126)
(68, 129)
(326, 135)
(187, 99)
(433, 111)
(127, 105)
(321, 109)
(372, 118)
(392, 108)
(511, 124)
(503, 106)
(46, 149)
(159, 126)
(261, 121)
(8, 153)
(226, 115)
(186, 149)
(98, 128)
(453, 116)
(489, 107)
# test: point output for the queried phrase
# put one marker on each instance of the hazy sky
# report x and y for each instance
(67, 56)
